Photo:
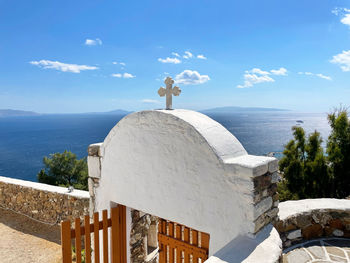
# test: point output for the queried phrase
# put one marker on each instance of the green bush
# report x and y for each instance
(338, 150)
(308, 172)
(64, 169)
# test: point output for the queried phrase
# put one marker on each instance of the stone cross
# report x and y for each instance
(169, 91)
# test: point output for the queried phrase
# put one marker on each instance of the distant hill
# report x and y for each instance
(118, 112)
(113, 112)
(12, 113)
(240, 109)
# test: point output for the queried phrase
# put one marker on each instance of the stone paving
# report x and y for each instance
(322, 250)
(27, 241)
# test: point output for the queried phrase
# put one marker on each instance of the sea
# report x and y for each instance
(25, 140)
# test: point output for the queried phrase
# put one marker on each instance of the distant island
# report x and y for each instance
(233, 109)
(113, 112)
(13, 113)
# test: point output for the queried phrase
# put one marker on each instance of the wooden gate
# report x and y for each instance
(118, 237)
(181, 244)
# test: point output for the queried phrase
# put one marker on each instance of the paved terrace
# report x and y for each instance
(315, 230)
(23, 206)
(27, 241)
(321, 250)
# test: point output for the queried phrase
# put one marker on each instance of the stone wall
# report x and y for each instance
(266, 199)
(313, 218)
(43, 202)
(141, 224)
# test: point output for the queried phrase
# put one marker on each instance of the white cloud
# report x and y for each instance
(251, 79)
(176, 60)
(323, 76)
(188, 55)
(345, 13)
(120, 63)
(256, 75)
(128, 76)
(150, 101)
(342, 59)
(279, 72)
(319, 75)
(191, 77)
(335, 11)
(74, 68)
(125, 75)
(346, 20)
(258, 71)
(170, 60)
(93, 42)
(117, 75)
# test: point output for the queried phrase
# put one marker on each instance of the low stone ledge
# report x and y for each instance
(44, 187)
(43, 202)
(313, 218)
(252, 166)
(95, 149)
(265, 247)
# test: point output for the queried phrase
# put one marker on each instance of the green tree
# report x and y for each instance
(292, 163)
(316, 175)
(64, 169)
(338, 150)
(304, 167)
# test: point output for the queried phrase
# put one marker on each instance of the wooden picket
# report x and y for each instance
(117, 223)
(181, 244)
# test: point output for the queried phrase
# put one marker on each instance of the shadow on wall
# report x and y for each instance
(264, 245)
(29, 226)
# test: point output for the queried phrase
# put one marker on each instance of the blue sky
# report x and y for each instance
(80, 56)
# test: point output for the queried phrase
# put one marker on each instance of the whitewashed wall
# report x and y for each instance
(182, 166)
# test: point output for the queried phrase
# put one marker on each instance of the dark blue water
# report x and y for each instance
(24, 141)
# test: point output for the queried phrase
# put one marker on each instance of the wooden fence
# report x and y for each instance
(180, 244)
(81, 235)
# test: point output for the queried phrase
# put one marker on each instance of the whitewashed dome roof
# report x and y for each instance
(223, 143)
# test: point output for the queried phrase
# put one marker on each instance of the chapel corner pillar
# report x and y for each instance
(260, 176)
(265, 196)
(95, 153)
